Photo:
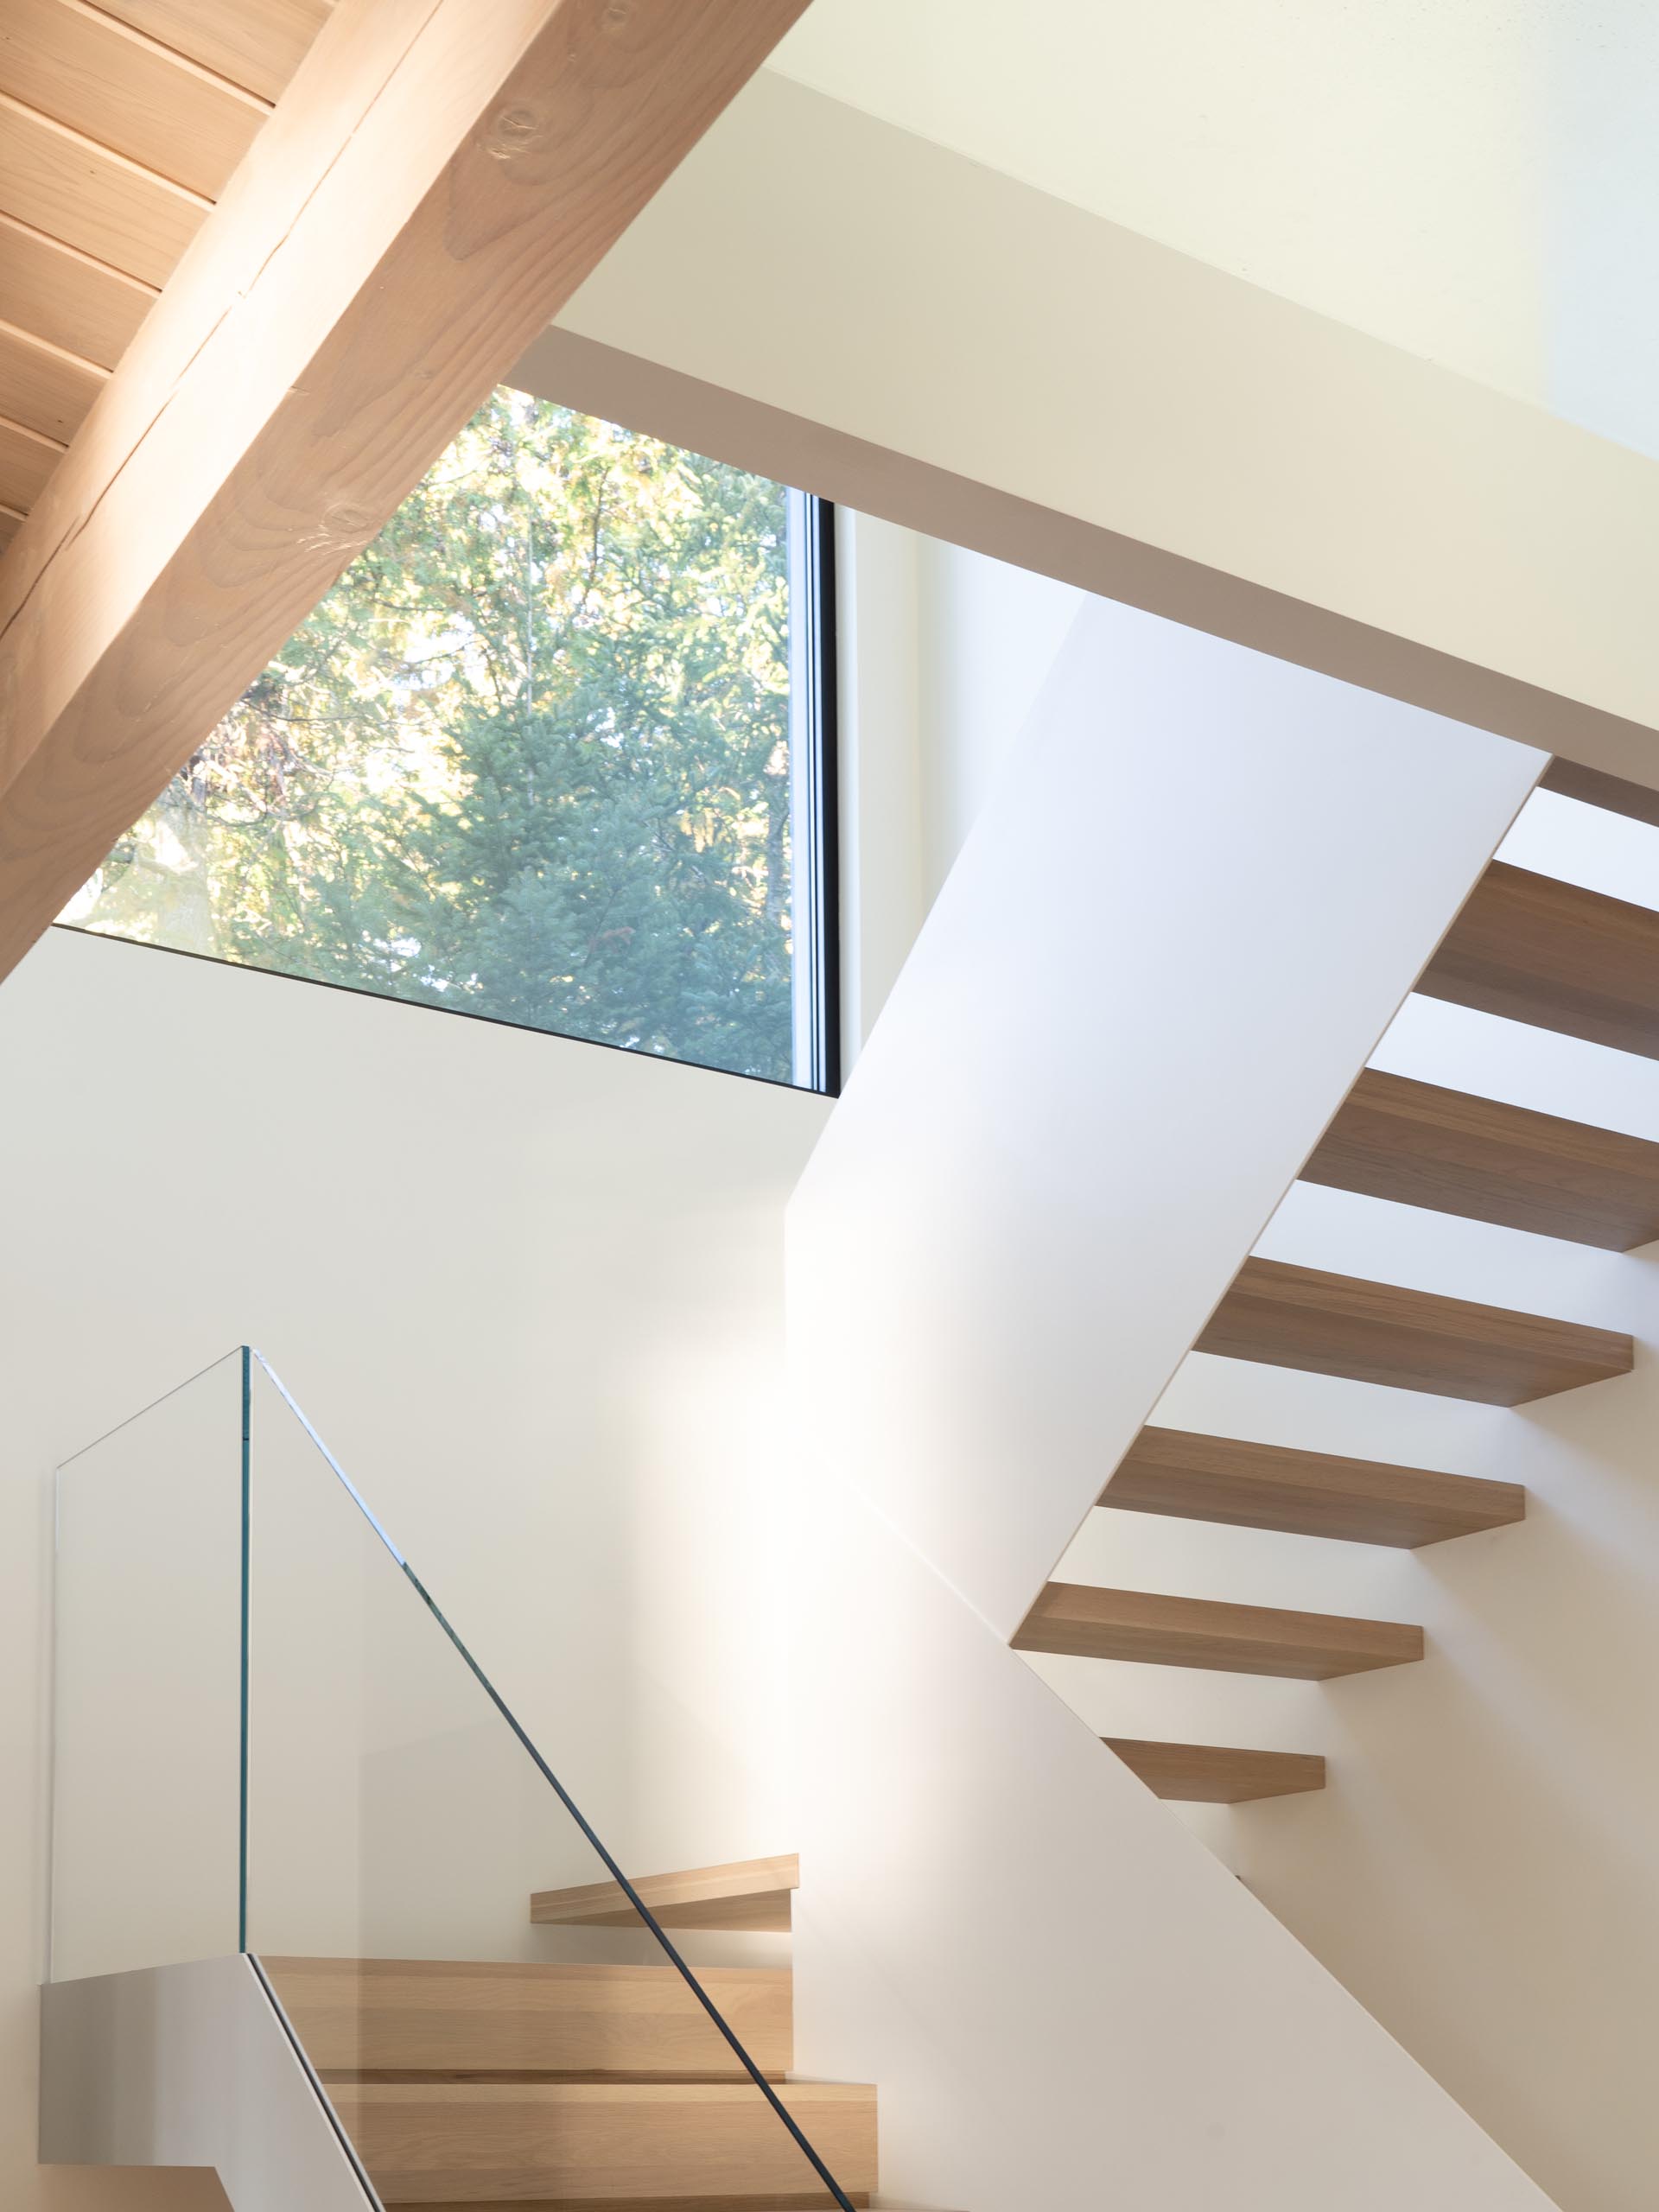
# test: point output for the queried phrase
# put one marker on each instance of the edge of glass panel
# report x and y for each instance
(528, 1746)
(54, 1629)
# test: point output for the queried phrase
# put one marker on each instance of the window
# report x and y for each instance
(557, 750)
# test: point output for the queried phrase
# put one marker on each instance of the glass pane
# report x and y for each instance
(398, 1828)
(530, 759)
(148, 1688)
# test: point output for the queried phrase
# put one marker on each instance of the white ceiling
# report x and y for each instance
(1477, 180)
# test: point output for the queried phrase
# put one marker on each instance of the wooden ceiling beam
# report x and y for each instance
(433, 188)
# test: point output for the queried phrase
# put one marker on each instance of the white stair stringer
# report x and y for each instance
(189, 2066)
(1188, 910)
(1068, 2000)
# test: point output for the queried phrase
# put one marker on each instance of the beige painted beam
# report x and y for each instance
(433, 188)
(900, 329)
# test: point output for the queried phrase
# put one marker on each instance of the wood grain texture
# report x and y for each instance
(43, 387)
(72, 188)
(257, 44)
(1215, 1774)
(81, 67)
(412, 2015)
(339, 86)
(602, 2142)
(504, 153)
(10, 522)
(1088, 1623)
(750, 1893)
(1192, 1477)
(67, 298)
(1286, 1316)
(1538, 950)
(1422, 1146)
(1595, 787)
(27, 460)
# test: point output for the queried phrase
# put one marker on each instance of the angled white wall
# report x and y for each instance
(1200, 888)
(1188, 909)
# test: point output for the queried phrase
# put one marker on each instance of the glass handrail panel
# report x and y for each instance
(399, 1823)
(148, 1687)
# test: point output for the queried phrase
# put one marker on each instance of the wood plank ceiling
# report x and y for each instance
(120, 123)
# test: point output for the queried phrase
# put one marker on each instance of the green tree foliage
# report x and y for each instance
(529, 757)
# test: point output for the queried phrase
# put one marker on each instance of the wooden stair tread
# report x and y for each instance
(1595, 787)
(1535, 950)
(1216, 1774)
(617, 2143)
(1086, 1622)
(459, 2017)
(1285, 1316)
(1423, 1146)
(750, 1893)
(1192, 1477)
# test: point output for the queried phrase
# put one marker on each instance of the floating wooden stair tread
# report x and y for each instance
(754, 1893)
(604, 2142)
(1077, 1618)
(1549, 953)
(1215, 1774)
(1286, 1316)
(1595, 787)
(1422, 1146)
(1172, 1472)
(459, 2018)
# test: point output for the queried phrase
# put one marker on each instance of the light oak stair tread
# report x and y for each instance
(1217, 1774)
(1595, 787)
(461, 2017)
(1086, 1622)
(748, 1894)
(1422, 1146)
(1535, 950)
(1285, 1316)
(604, 2143)
(1192, 1477)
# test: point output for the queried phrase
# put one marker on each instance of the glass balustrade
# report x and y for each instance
(270, 1739)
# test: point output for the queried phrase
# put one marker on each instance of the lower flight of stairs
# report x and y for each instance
(464, 2083)
(1530, 949)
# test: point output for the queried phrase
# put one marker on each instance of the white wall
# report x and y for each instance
(528, 1290)
(1175, 930)
(1475, 183)
(1480, 1871)
(942, 653)
(956, 350)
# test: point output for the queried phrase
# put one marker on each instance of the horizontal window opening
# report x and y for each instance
(558, 749)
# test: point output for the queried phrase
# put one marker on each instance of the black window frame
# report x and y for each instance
(815, 799)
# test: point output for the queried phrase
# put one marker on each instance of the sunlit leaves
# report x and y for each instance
(530, 757)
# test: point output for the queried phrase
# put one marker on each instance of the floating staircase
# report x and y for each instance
(466, 2084)
(753, 1894)
(626, 2143)
(1170, 1470)
(407, 2020)
(1422, 1146)
(1323, 1324)
(1532, 950)
(1089, 1623)
(1539, 950)
(1213, 1774)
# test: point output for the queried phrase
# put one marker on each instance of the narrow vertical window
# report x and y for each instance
(557, 750)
